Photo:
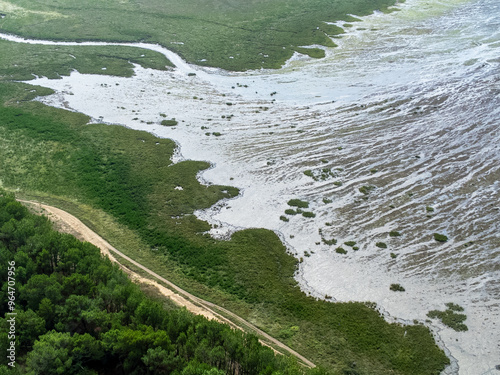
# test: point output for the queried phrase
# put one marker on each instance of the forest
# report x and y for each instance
(76, 313)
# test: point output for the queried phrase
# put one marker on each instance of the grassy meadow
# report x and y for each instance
(236, 35)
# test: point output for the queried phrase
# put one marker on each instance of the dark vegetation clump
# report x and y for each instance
(329, 242)
(397, 288)
(451, 317)
(366, 189)
(298, 203)
(169, 122)
(440, 237)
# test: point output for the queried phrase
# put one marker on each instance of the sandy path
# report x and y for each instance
(70, 224)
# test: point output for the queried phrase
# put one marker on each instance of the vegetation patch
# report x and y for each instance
(316, 53)
(451, 317)
(20, 61)
(381, 245)
(440, 237)
(340, 250)
(329, 242)
(308, 214)
(397, 288)
(251, 42)
(350, 243)
(171, 122)
(366, 189)
(394, 233)
(322, 174)
(298, 203)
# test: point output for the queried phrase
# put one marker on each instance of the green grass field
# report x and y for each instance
(235, 35)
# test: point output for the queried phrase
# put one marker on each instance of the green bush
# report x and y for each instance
(169, 122)
(330, 242)
(340, 250)
(450, 317)
(397, 288)
(394, 233)
(298, 203)
(308, 214)
(440, 237)
(366, 189)
(381, 245)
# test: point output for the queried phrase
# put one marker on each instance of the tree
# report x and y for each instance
(51, 355)
(159, 361)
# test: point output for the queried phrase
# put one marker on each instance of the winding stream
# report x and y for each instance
(408, 106)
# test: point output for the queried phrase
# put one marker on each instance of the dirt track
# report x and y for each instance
(70, 224)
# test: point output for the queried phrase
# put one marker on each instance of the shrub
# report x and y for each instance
(169, 122)
(333, 241)
(350, 243)
(298, 203)
(382, 245)
(440, 237)
(308, 214)
(429, 209)
(394, 233)
(454, 307)
(397, 288)
(289, 211)
(340, 250)
(284, 218)
(366, 189)
(309, 173)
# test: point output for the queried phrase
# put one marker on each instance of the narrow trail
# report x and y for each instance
(70, 224)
